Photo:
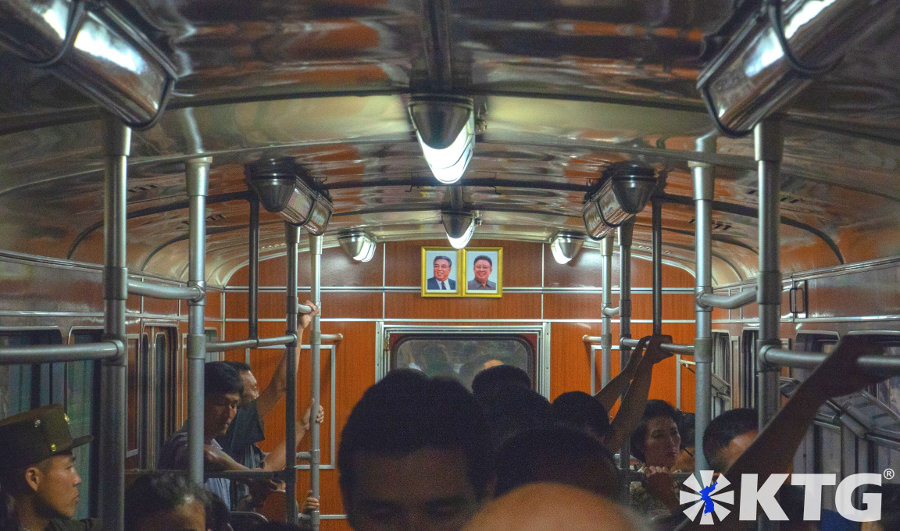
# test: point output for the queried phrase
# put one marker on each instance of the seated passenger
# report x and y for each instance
(415, 454)
(559, 454)
(657, 444)
(222, 393)
(513, 409)
(38, 481)
(165, 501)
(553, 506)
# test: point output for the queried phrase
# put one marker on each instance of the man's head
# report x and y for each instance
(163, 501)
(482, 268)
(251, 386)
(442, 265)
(415, 454)
(222, 392)
(493, 378)
(542, 506)
(728, 435)
(581, 410)
(36, 461)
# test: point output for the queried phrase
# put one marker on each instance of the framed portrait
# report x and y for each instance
(483, 270)
(441, 275)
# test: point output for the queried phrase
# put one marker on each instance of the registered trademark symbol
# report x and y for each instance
(888, 473)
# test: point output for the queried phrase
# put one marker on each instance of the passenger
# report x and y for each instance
(415, 454)
(218, 516)
(728, 435)
(222, 394)
(511, 410)
(476, 365)
(559, 454)
(498, 376)
(657, 444)
(582, 411)
(685, 461)
(165, 501)
(38, 481)
(553, 506)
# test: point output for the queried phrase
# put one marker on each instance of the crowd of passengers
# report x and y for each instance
(425, 453)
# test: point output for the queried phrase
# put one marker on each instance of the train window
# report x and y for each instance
(721, 373)
(20, 385)
(749, 384)
(463, 355)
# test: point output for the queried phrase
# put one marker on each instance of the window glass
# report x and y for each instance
(462, 356)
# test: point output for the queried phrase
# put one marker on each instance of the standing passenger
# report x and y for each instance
(165, 501)
(38, 481)
(415, 454)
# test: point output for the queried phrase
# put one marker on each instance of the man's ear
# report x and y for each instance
(33, 476)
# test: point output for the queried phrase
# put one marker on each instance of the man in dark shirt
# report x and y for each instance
(37, 472)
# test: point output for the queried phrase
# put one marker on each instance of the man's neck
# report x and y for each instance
(29, 519)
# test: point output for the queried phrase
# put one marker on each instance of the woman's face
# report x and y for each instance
(662, 444)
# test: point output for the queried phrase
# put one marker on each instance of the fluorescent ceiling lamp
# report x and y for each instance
(564, 246)
(624, 191)
(770, 59)
(460, 226)
(359, 245)
(445, 128)
(283, 186)
(96, 50)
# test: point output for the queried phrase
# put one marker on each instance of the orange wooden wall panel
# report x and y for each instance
(510, 306)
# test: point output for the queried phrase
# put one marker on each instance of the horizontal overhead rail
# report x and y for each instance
(332, 337)
(727, 302)
(674, 348)
(611, 311)
(246, 474)
(302, 308)
(222, 346)
(159, 291)
(876, 365)
(55, 353)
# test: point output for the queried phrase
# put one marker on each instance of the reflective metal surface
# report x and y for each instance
(565, 90)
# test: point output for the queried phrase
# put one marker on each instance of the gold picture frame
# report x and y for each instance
(478, 261)
(441, 265)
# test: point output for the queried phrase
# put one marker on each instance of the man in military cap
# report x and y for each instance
(37, 472)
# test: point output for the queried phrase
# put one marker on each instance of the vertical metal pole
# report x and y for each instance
(703, 197)
(197, 189)
(315, 345)
(606, 252)
(113, 376)
(626, 234)
(768, 141)
(253, 288)
(656, 244)
(292, 239)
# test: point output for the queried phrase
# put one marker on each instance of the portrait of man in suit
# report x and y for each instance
(442, 267)
(481, 272)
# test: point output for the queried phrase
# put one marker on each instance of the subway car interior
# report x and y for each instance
(177, 178)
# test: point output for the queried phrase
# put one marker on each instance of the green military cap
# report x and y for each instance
(35, 435)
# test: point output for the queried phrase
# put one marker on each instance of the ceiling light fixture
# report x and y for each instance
(445, 128)
(284, 187)
(564, 246)
(359, 245)
(771, 58)
(623, 191)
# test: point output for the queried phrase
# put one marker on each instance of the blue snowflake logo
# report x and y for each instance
(707, 499)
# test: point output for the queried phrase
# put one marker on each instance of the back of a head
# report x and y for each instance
(653, 409)
(559, 454)
(220, 378)
(512, 410)
(581, 410)
(722, 429)
(407, 411)
(553, 506)
(491, 379)
(160, 492)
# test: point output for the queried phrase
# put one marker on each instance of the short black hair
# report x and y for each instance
(483, 257)
(581, 410)
(514, 409)
(442, 257)
(239, 366)
(160, 491)
(722, 429)
(407, 411)
(559, 454)
(653, 409)
(220, 378)
(489, 380)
